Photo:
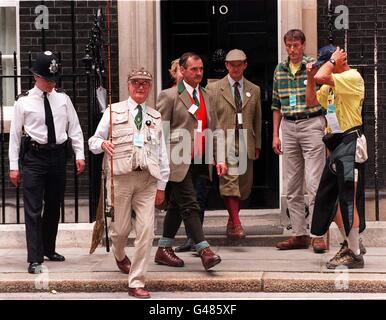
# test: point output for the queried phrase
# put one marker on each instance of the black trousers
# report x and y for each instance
(339, 188)
(183, 205)
(43, 180)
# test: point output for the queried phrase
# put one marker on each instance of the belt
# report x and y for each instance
(303, 116)
(358, 130)
(49, 146)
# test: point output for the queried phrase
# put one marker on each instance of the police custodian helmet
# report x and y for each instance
(46, 66)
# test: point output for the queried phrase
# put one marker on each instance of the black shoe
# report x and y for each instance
(35, 267)
(55, 257)
(187, 246)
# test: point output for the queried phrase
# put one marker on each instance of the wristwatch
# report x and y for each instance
(332, 61)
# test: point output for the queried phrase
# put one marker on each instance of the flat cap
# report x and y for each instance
(141, 73)
(236, 55)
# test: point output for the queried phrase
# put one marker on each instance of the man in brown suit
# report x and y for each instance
(238, 107)
(186, 109)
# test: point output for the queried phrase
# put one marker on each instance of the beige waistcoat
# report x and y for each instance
(128, 157)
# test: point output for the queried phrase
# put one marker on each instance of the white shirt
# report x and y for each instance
(29, 112)
(190, 89)
(133, 108)
(241, 87)
(102, 134)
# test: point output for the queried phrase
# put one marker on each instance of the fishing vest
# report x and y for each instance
(128, 157)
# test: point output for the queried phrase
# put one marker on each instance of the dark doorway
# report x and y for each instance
(212, 28)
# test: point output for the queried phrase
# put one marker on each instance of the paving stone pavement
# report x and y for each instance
(243, 269)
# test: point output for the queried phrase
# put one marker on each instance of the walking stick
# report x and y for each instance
(103, 209)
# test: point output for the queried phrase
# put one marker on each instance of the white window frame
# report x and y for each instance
(14, 3)
(8, 110)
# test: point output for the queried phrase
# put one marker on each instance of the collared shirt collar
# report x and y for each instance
(36, 91)
(232, 82)
(305, 60)
(133, 106)
(190, 89)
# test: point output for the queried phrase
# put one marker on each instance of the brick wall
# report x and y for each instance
(360, 48)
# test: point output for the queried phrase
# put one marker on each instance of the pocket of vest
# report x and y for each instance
(123, 151)
(122, 136)
(121, 117)
(127, 139)
(122, 132)
(122, 166)
(122, 163)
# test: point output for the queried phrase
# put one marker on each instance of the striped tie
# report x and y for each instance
(196, 101)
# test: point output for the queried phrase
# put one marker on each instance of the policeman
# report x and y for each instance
(49, 119)
(141, 171)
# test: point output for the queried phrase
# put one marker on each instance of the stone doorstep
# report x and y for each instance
(212, 217)
(79, 235)
(193, 281)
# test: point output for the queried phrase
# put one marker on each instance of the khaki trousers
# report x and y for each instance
(305, 156)
(134, 191)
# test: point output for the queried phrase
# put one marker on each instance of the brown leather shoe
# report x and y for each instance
(166, 256)
(237, 232)
(124, 265)
(140, 293)
(208, 258)
(318, 245)
(295, 242)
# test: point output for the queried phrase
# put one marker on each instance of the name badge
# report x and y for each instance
(138, 140)
(193, 108)
(332, 119)
(199, 126)
(292, 100)
(240, 118)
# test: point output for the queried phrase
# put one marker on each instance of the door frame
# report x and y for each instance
(285, 9)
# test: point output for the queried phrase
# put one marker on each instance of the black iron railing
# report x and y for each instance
(91, 78)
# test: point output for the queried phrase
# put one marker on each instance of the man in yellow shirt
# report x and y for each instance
(340, 195)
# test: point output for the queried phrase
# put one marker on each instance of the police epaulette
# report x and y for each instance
(60, 90)
(23, 94)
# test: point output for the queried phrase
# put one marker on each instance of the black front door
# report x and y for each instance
(212, 28)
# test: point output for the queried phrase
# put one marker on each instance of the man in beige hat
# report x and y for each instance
(238, 107)
(141, 171)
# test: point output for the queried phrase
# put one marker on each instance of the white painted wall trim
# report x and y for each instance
(158, 62)
(9, 3)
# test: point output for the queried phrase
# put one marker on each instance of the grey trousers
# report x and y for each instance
(305, 156)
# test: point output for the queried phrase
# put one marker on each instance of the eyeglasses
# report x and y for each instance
(138, 84)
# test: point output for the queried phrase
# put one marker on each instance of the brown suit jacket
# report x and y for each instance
(222, 98)
(173, 104)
